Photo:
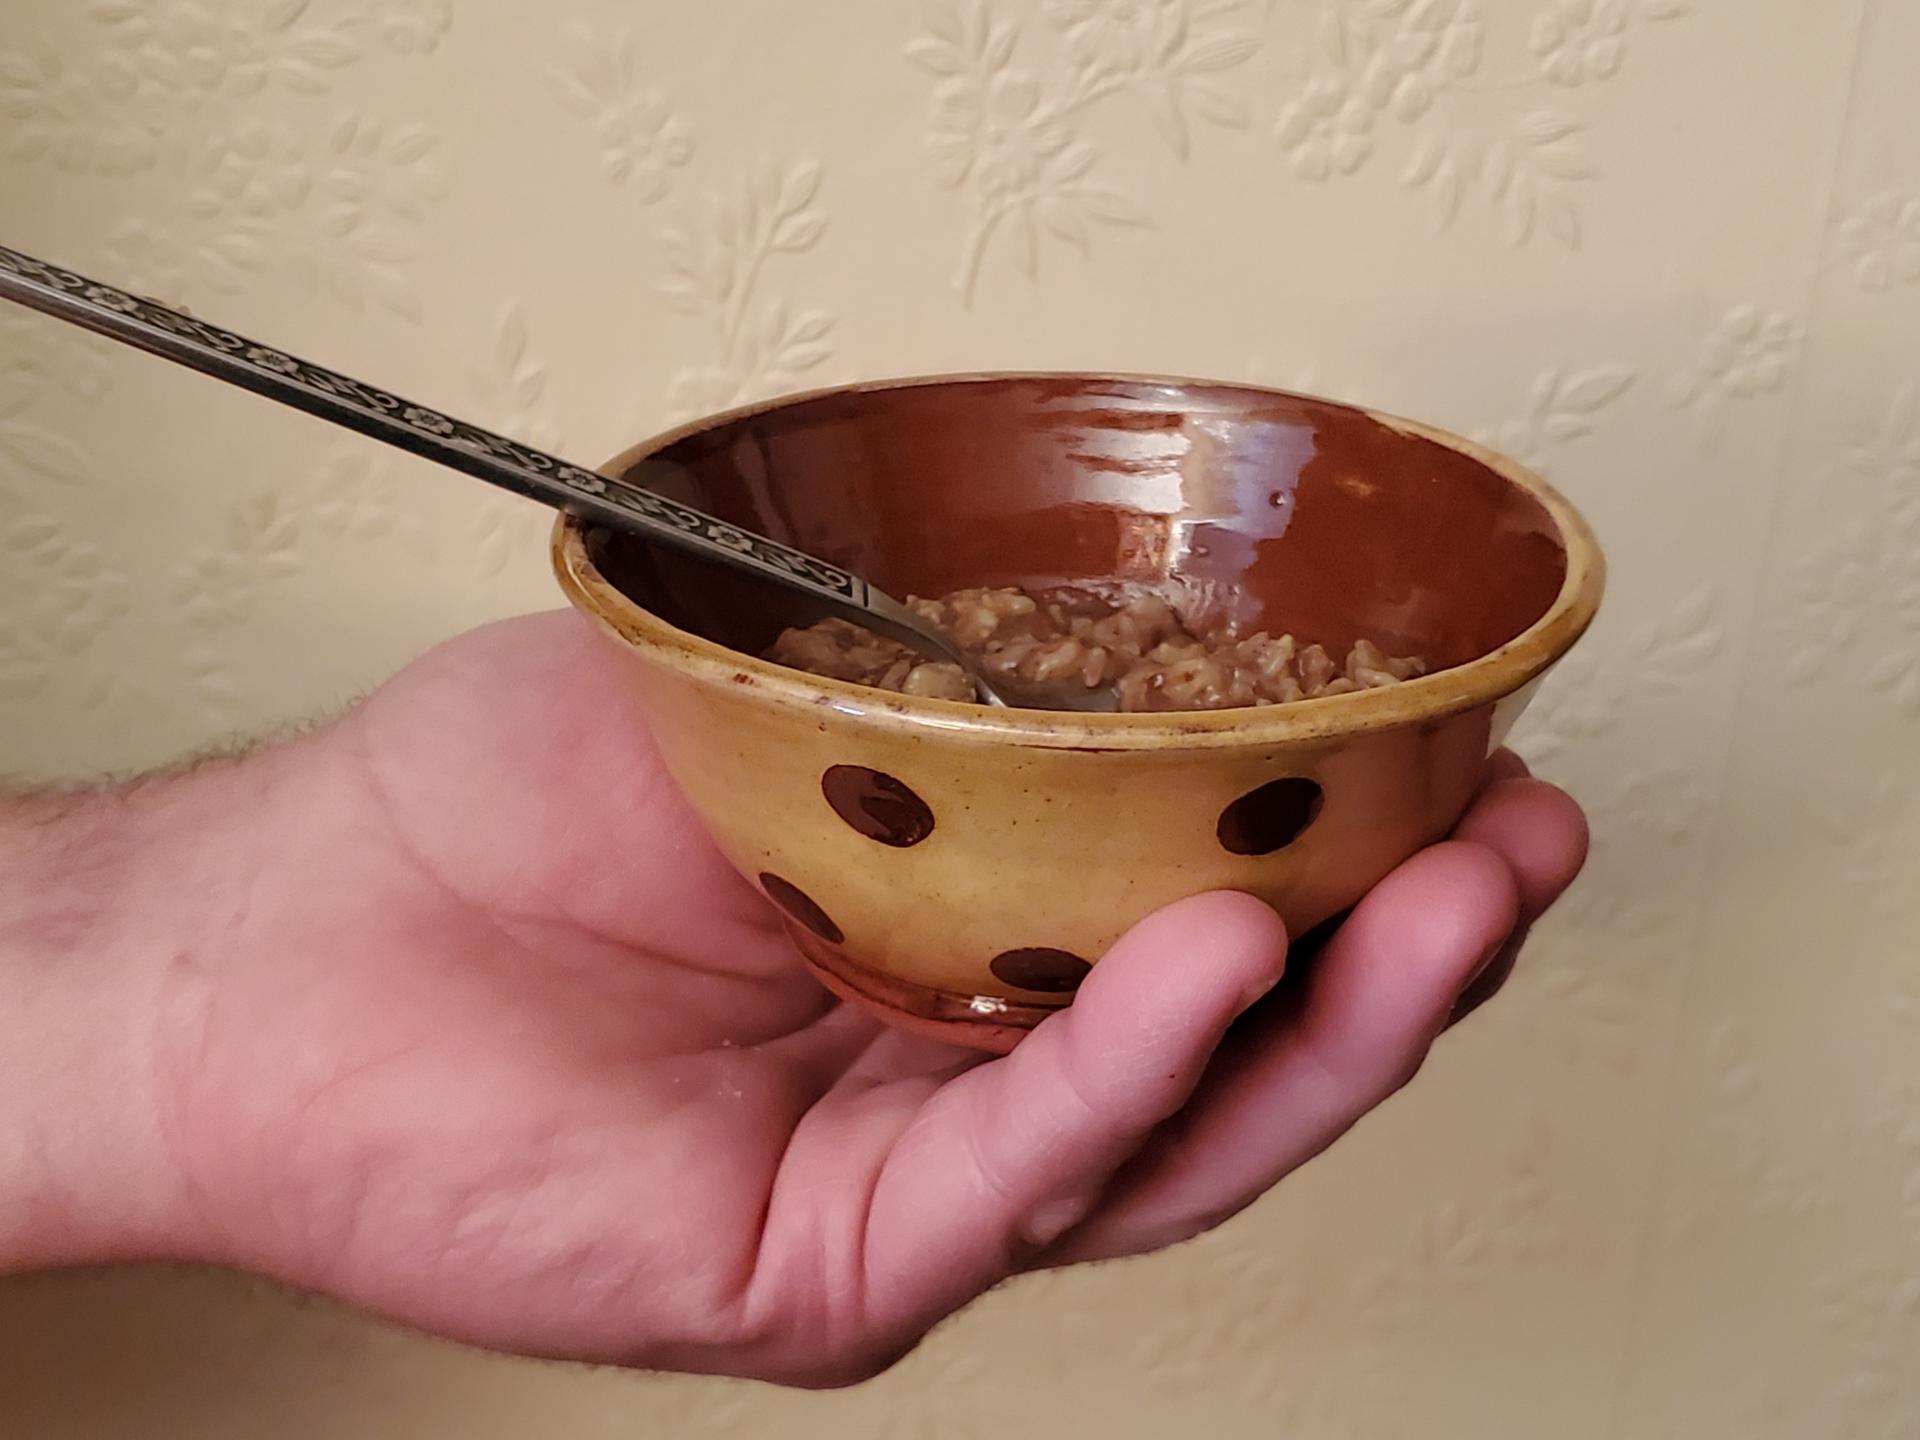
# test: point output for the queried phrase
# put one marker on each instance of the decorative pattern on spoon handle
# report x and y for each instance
(619, 504)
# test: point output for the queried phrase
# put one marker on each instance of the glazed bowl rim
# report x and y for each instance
(1483, 680)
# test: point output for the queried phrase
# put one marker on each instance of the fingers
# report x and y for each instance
(1293, 1082)
(1504, 765)
(1538, 830)
(1542, 835)
(1010, 1155)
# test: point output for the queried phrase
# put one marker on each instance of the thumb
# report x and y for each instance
(1012, 1154)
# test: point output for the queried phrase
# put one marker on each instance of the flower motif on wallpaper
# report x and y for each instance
(762, 344)
(642, 141)
(1402, 54)
(1748, 353)
(1398, 75)
(58, 594)
(1561, 408)
(1005, 134)
(1388, 66)
(178, 85)
(1167, 54)
(1579, 42)
(1860, 586)
(153, 65)
(1881, 242)
(333, 215)
(203, 48)
(413, 27)
(1326, 132)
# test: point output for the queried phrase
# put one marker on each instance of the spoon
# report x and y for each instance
(606, 500)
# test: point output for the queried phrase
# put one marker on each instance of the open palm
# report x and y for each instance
(503, 1048)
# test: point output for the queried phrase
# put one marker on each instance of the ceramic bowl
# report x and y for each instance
(959, 868)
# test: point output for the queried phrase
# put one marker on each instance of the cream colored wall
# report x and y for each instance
(1669, 250)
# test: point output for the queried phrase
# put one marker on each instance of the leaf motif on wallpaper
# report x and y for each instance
(1880, 242)
(1380, 67)
(89, 118)
(1671, 652)
(153, 69)
(1581, 701)
(1868, 1307)
(1450, 1248)
(1395, 77)
(1748, 353)
(641, 140)
(1866, 844)
(1004, 136)
(511, 395)
(201, 49)
(1231, 1304)
(1857, 584)
(1602, 974)
(1738, 1159)
(58, 595)
(334, 212)
(762, 343)
(1529, 176)
(1561, 409)
(210, 672)
(353, 495)
(42, 365)
(1168, 55)
(1400, 57)
(1582, 42)
(39, 356)
(219, 585)
(509, 386)
(1890, 461)
(1660, 804)
(39, 453)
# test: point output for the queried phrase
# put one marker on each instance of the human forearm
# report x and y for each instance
(114, 904)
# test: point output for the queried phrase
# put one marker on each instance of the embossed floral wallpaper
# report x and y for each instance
(1668, 250)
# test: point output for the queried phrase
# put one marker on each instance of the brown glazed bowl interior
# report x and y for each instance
(1330, 522)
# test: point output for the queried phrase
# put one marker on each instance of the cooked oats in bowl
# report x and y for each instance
(1156, 653)
(1317, 622)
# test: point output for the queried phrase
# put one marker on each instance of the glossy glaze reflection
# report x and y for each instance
(960, 869)
(1335, 527)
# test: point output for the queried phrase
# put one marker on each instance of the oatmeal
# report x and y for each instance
(1156, 653)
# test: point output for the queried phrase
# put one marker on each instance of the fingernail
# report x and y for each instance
(1257, 992)
(1053, 1219)
(1486, 962)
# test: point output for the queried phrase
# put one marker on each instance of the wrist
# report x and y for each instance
(117, 909)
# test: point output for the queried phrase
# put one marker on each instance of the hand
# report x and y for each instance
(476, 1030)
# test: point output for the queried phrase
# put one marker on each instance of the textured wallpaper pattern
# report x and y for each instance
(1666, 250)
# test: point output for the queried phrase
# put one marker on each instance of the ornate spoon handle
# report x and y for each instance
(266, 371)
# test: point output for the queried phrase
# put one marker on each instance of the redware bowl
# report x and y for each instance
(958, 868)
